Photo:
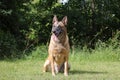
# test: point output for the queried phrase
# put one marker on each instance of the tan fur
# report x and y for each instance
(58, 50)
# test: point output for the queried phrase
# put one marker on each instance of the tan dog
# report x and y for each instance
(57, 60)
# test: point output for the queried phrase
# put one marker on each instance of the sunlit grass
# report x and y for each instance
(80, 69)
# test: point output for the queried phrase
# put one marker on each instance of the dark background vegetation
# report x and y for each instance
(25, 24)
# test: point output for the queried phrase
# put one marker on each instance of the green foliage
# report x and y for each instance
(30, 22)
(8, 45)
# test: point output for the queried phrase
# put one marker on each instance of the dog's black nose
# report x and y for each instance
(54, 31)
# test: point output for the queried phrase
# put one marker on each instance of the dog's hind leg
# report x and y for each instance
(46, 66)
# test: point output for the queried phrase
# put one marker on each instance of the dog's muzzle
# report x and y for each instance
(57, 30)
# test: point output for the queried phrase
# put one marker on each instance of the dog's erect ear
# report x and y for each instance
(55, 19)
(64, 20)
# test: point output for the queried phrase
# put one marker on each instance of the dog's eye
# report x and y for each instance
(53, 26)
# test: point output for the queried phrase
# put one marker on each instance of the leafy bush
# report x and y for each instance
(26, 24)
(8, 45)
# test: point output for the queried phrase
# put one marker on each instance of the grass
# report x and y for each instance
(103, 63)
(80, 70)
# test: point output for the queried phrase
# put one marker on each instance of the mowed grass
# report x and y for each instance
(31, 69)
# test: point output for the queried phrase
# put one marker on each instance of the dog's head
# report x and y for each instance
(58, 27)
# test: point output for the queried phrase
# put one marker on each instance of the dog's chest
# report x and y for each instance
(59, 54)
(59, 50)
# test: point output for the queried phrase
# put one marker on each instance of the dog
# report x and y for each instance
(58, 51)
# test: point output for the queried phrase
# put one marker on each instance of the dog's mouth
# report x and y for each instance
(56, 33)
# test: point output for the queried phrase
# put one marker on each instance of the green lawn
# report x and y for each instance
(80, 70)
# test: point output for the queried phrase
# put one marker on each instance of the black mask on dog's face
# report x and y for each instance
(57, 30)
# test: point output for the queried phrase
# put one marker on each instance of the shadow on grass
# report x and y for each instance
(86, 72)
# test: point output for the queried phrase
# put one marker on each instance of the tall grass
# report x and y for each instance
(102, 52)
(40, 52)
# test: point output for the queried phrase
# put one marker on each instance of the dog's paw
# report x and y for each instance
(44, 71)
(53, 74)
(66, 74)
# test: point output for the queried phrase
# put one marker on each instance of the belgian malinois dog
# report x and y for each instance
(57, 60)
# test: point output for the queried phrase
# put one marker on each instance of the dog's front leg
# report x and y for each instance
(66, 67)
(52, 66)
